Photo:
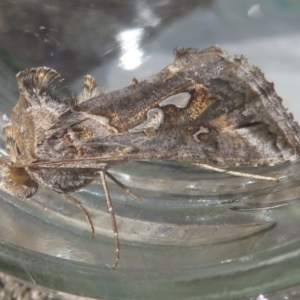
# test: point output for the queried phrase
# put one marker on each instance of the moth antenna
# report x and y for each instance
(112, 217)
(248, 175)
(84, 211)
(122, 186)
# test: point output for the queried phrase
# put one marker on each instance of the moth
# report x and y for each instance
(207, 108)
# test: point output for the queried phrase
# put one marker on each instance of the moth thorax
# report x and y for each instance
(19, 175)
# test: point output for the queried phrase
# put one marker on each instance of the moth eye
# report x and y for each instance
(19, 176)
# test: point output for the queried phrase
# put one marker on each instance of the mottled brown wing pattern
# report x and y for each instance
(206, 108)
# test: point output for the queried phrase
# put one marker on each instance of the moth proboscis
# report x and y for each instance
(207, 108)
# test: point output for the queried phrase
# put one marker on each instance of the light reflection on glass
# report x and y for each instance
(261, 297)
(131, 54)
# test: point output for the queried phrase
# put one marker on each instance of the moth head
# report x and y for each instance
(16, 181)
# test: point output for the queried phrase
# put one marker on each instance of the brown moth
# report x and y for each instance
(206, 108)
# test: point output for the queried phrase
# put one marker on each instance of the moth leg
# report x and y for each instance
(122, 186)
(208, 167)
(84, 211)
(112, 217)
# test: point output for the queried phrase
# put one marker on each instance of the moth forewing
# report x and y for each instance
(206, 107)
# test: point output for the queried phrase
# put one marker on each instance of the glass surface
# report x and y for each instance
(194, 234)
